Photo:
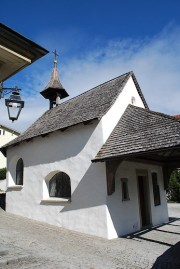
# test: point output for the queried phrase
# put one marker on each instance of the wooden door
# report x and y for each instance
(144, 202)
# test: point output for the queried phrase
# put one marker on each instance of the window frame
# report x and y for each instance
(19, 172)
(156, 189)
(55, 182)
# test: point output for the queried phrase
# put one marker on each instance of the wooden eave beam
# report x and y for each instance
(29, 139)
(87, 122)
(43, 135)
(111, 168)
(63, 129)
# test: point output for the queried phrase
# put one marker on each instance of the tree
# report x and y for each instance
(2, 173)
(173, 192)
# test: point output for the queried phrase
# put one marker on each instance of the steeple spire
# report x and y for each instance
(54, 91)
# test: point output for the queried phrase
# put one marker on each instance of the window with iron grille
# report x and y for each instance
(60, 186)
(19, 172)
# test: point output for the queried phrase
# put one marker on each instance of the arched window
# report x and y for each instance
(60, 186)
(19, 172)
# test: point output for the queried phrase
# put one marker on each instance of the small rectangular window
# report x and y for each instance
(3, 132)
(156, 192)
(124, 187)
(0, 132)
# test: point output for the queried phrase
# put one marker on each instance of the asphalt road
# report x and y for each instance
(28, 244)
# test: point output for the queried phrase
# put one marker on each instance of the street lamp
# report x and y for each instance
(14, 103)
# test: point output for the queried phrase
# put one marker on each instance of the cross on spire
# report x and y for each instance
(55, 54)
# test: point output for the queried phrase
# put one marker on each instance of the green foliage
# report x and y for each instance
(173, 192)
(2, 173)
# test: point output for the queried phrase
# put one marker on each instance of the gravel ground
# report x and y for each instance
(28, 244)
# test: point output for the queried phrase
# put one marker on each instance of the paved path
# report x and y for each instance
(27, 244)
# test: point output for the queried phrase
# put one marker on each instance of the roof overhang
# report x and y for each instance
(159, 156)
(167, 158)
(16, 52)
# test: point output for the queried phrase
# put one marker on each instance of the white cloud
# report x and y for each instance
(155, 62)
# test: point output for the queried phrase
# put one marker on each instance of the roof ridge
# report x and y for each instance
(69, 100)
(127, 73)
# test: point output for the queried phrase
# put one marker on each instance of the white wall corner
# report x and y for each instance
(111, 231)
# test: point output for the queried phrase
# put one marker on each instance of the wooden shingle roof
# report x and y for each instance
(138, 131)
(90, 105)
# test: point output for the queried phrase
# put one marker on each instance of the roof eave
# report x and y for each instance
(16, 52)
(6, 146)
(9, 129)
(133, 154)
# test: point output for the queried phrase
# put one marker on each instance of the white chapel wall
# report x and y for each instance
(68, 152)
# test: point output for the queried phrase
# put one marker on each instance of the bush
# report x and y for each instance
(2, 173)
(173, 192)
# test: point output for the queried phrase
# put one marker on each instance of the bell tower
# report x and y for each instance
(54, 91)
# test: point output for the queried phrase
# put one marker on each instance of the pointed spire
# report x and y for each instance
(54, 91)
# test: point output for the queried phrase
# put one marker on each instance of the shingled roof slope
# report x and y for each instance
(140, 130)
(90, 105)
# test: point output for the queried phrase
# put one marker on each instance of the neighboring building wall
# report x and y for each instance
(70, 152)
(5, 136)
(124, 216)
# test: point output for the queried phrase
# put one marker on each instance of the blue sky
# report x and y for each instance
(97, 40)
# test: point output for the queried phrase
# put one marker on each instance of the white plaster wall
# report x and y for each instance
(110, 119)
(160, 212)
(67, 152)
(71, 152)
(124, 216)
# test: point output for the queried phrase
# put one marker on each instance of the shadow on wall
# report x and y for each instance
(91, 191)
(170, 259)
(58, 145)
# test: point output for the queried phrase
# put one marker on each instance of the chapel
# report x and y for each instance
(98, 163)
